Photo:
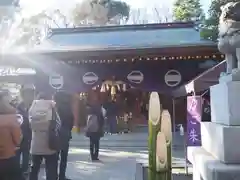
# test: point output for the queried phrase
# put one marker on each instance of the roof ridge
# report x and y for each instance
(172, 25)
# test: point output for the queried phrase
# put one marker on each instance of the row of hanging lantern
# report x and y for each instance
(195, 57)
(113, 87)
(83, 96)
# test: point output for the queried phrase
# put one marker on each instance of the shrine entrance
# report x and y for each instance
(131, 103)
(74, 64)
(129, 81)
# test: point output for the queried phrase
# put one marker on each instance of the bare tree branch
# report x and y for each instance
(158, 14)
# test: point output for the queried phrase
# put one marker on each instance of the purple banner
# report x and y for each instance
(194, 110)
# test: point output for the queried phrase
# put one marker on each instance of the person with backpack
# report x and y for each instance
(94, 129)
(27, 95)
(10, 138)
(42, 115)
(64, 108)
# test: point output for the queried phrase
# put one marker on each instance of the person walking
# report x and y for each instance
(64, 109)
(41, 113)
(10, 138)
(94, 129)
(27, 94)
(112, 112)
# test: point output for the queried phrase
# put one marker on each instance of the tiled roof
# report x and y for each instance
(128, 37)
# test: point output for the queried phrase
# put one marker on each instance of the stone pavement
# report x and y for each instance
(119, 155)
(114, 165)
(139, 139)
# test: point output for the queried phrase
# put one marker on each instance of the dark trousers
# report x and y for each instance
(94, 147)
(112, 124)
(63, 160)
(51, 165)
(10, 169)
(24, 153)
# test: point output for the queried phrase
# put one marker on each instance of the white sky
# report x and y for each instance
(35, 6)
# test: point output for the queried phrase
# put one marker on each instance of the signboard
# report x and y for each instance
(90, 78)
(173, 78)
(194, 110)
(56, 81)
(135, 77)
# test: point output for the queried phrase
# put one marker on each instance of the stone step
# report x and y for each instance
(215, 140)
(207, 167)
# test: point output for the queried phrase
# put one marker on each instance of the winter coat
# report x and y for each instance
(10, 135)
(25, 126)
(96, 110)
(40, 129)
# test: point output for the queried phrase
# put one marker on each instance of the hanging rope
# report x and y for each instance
(205, 92)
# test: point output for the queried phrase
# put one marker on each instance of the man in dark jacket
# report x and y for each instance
(94, 137)
(27, 96)
(112, 112)
(64, 109)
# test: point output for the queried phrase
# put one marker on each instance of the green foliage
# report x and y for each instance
(215, 8)
(187, 10)
(118, 7)
(211, 25)
(209, 34)
(210, 30)
(111, 8)
(115, 7)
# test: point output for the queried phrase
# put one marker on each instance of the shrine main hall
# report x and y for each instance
(128, 61)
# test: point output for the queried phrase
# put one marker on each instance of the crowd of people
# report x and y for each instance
(39, 128)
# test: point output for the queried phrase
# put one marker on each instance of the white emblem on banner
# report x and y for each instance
(173, 78)
(56, 81)
(135, 77)
(90, 78)
(12, 71)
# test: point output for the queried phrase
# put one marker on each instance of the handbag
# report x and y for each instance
(54, 131)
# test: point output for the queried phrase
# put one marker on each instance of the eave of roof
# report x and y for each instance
(87, 49)
(74, 56)
(51, 47)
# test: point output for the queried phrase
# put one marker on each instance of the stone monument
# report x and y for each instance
(229, 39)
(219, 156)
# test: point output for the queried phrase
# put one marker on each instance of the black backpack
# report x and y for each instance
(54, 141)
